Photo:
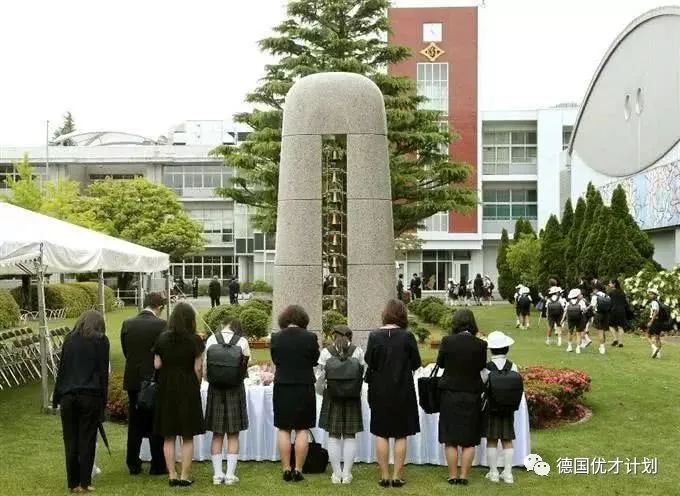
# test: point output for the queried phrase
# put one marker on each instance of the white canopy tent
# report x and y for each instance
(31, 243)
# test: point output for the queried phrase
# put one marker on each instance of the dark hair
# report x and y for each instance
(342, 337)
(464, 320)
(599, 286)
(500, 351)
(552, 281)
(415, 274)
(615, 283)
(154, 300)
(90, 324)
(293, 315)
(401, 276)
(395, 313)
(182, 319)
(235, 325)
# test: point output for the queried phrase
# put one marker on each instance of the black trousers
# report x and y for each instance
(140, 425)
(214, 301)
(80, 415)
(233, 298)
(195, 293)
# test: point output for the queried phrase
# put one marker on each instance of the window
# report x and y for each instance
(432, 32)
(437, 268)
(432, 81)
(566, 136)
(115, 177)
(218, 224)
(222, 266)
(509, 204)
(509, 151)
(8, 171)
(439, 222)
(192, 180)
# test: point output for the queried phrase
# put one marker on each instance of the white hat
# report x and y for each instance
(574, 293)
(554, 289)
(653, 291)
(497, 340)
(524, 290)
(519, 286)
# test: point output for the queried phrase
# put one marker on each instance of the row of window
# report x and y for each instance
(509, 204)
(181, 178)
(223, 266)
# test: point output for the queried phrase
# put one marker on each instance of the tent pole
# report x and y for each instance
(100, 293)
(42, 318)
(167, 292)
(140, 292)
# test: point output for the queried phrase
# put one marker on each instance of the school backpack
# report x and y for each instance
(664, 316)
(344, 374)
(574, 312)
(524, 301)
(452, 290)
(504, 389)
(224, 362)
(604, 303)
(554, 309)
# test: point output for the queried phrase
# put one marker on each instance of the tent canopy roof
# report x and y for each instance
(67, 248)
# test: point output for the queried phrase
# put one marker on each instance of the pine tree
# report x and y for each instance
(589, 258)
(631, 229)
(551, 261)
(627, 260)
(523, 227)
(350, 36)
(605, 228)
(593, 203)
(506, 284)
(67, 127)
(567, 217)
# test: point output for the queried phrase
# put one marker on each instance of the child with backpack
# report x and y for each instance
(342, 370)
(659, 316)
(524, 307)
(505, 389)
(515, 299)
(226, 361)
(601, 305)
(554, 311)
(575, 317)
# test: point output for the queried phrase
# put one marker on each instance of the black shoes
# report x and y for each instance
(184, 483)
(458, 482)
(615, 343)
(173, 482)
(398, 483)
(287, 475)
(384, 483)
(135, 470)
(297, 476)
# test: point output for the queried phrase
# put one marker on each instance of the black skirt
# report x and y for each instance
(294, 406)
(499, 427)
(601, 321)
(460, 418)
(618, 319)
(226, 411)
(341, 417)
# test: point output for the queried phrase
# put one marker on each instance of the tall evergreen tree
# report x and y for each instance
(593, 203)
(631, 229)
(571, 251)
(589, 258)
(523, 227)
(67, 127)
(506, 284)
(349, 36)
(551, 262)
(627, 261)
(604, 220)
(567, 217)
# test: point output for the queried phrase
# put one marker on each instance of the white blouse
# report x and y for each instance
(499, 361)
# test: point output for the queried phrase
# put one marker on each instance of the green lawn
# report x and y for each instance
(635, 414)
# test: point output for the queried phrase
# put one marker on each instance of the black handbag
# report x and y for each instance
(317, 458)
(428, 392)
(148, 392)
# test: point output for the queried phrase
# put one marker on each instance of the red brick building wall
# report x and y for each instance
(459, 42)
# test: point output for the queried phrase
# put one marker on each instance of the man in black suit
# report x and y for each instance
(137, 338)
(214, 291)
(234, 290)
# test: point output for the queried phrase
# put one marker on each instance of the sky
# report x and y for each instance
(143, 66)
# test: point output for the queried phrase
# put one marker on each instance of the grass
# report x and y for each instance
(633, 399)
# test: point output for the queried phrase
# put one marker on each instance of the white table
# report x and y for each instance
(258, 443)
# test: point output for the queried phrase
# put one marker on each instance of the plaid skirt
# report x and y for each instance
(340, 417)
(226, 412)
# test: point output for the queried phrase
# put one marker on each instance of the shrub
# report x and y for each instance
(92, 289)
(262, 287)
(421, 332)
(246, 287)
(432, 312)
(414, 306)
(255, 322)
(446, 320)
(9, 310)
(214, 318)
(554, 394)
(263, 305)
(330, 319)
(668, 284)
(117, 404)
(75, 297)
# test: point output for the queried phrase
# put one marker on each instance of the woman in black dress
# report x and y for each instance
(295, 353)
(462, 356)
(80, 392)
(391, 358)
(617, 317)
(178, 356)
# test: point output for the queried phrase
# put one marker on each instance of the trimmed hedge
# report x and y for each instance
(262, 287)
(262, 305)
(215, 317)
(554, 395)
(255, 322)
(9, 310)
(75, 297)
(421, 332)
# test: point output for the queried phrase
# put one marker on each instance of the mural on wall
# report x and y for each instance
(653, 196)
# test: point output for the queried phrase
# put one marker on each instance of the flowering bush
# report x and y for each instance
(554, 394)
(117, 404)
(668, 284)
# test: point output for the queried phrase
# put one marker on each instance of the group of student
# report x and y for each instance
(166, 363)
(477, 290)
(604, 310)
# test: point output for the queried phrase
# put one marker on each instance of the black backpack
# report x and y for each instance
(224, 362)
(554, 309)
(452, 290)
(604, 303)
(524, 301)
(504, 389)
(344, 375)
(574, 313)
(664, 315)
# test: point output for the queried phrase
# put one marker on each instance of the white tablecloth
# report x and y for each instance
(259, 441)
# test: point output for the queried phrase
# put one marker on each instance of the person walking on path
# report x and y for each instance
(618, 321)
(215, 291)
(194, 287)
(234, 290)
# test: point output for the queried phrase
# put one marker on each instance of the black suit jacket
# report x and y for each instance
(462, 356)
(295, 352)
(137, 338)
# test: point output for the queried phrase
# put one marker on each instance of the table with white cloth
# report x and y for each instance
(258, 443)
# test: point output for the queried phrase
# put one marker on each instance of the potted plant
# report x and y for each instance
(255, 323)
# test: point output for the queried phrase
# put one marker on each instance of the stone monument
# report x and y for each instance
(334, 233)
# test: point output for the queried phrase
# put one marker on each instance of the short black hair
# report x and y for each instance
(154, 300)
(500, 351)
(415, 274)
(401, 276)
(464, 320)
(293, 315)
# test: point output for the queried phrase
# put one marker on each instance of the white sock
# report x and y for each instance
(232, 460)
(492, 458)
(335, 455)
(349, 452)
(217, 465)
(508, 453)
